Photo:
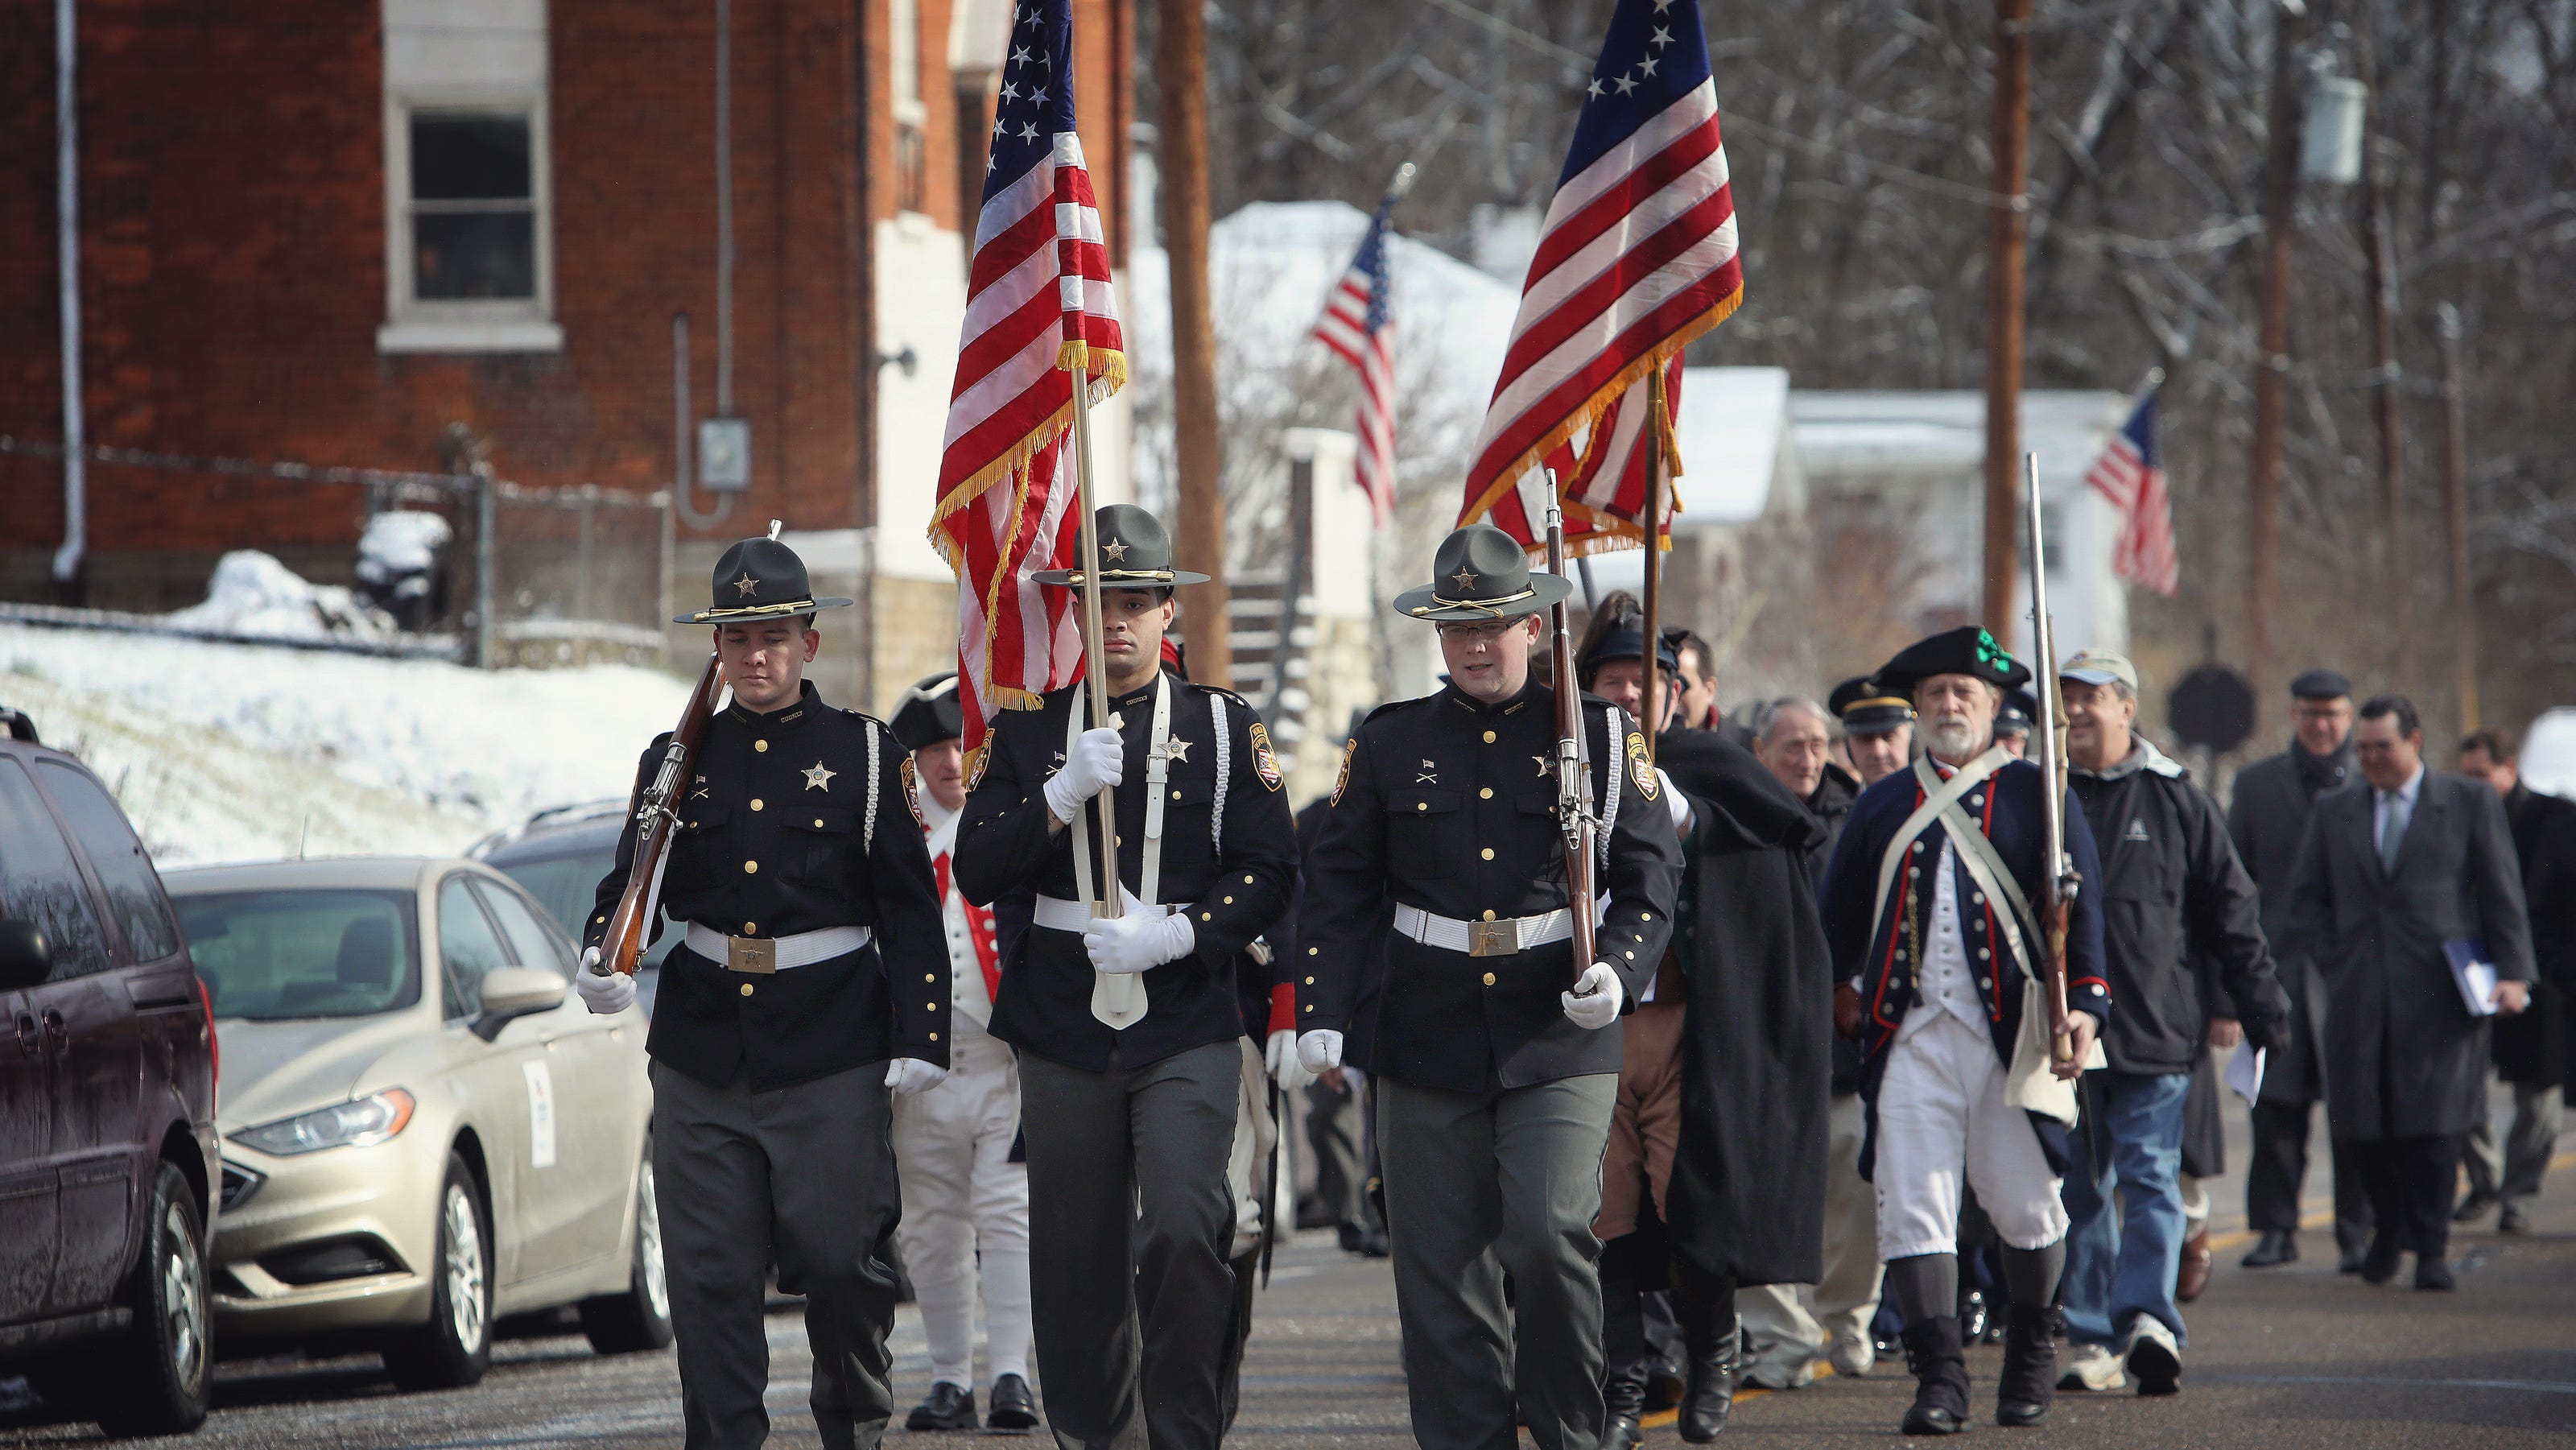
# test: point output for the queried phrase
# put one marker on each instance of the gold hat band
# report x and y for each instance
(1159, 576)
(1878, 700)
(1490, 606)
(752, 611)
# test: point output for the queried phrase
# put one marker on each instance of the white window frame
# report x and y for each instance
(488, 325)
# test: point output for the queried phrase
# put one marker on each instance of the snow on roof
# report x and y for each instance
(1729, 431)
(1842, 433)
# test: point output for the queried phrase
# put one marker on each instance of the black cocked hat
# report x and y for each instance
(1135, 553)
(1967, 650)
(929, 713)
(1480, 573)
(1867, 709)
(759, 579)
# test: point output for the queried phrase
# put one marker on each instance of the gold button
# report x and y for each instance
(751, 928)
(755, 803)
(1484, 792)
(934, 1037)
(1310, 951)
(930, 976)
(750, 868)
(1247, 880)
(1489, 737)
(1422, 805)
(1207, 916)
(1122, 840)
(761, 745)
(1310, 981)
(1632, 956)
(1176, 795)
(1489, 979)
(818, 822)
(1489, 853)
(1310, 1006)
(746, 989)
(1489, 913)
(599, 918)
(934, 1006)
(1645, 916)
(1229, 901)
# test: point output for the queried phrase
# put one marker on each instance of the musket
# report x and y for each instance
(1574, 809)
(2058, 882)
(630, 926)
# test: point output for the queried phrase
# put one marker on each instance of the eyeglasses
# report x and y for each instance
(1479, 636)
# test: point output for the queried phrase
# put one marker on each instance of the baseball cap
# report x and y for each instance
(2100, 667)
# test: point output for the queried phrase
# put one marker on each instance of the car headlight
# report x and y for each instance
(354, 1124)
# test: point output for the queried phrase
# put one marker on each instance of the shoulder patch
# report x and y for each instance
(1342, 781)
(1648, 785)
(912, 793)
(1264, 763)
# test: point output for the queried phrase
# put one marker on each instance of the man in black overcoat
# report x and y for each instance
(2531, 1048)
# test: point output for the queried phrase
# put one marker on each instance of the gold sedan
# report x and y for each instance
(423, 1130)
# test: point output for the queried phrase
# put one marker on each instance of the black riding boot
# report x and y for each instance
(1623, 1350)
(1940, 1377)
(1707, 1305)
(2027, 1384)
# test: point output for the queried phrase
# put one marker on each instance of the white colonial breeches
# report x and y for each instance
(964, 1204)
(1943, 1124)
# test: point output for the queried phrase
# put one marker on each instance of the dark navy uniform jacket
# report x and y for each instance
(1232, 894)
(1448, 804)
(2010, 809)
(772, 840)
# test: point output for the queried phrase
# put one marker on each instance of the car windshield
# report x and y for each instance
(272, 956)
(566, 886)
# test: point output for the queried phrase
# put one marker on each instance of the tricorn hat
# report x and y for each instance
(929, 713)
(1866, 709)
(1967, 650)
(1481, 573)
(1135, 553)
(759, 579)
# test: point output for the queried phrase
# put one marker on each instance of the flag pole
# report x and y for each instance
(1651, 666)
(1095, 672)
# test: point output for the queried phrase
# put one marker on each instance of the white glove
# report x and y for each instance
(1674, 801)
(1279, 1052)
(1132, 943)
(605, 996)
(1319, 1051)
(910, 1076)
(1098, 758)
(1594, 1002)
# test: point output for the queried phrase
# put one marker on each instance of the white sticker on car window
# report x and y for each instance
(541, 1114)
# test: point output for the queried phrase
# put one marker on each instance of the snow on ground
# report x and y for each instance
(226, 752)
(252, 593)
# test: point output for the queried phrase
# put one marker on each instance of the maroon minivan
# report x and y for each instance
(109, 1162)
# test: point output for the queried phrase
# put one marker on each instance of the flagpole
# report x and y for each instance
(1095, 672)
(1651, 664)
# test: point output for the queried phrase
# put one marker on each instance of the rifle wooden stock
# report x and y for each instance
(630, 926)
(1573, 781)
(2058, 881)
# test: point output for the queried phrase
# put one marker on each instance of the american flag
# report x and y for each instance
(1637, 258)
(1354, 326)
(1038, 310)
(2131, 474)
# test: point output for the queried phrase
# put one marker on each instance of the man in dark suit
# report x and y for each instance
(2266, 820)
(2393, 875)
(2531, 1049)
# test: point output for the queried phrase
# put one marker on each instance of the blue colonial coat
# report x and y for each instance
(1867, 949)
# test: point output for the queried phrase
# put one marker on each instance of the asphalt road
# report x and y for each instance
(2278, 1359)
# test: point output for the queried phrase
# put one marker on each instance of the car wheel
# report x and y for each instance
(640, 1318)
(153, 1377)
(454, 1348)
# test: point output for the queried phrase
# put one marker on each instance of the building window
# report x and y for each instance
(468, 237)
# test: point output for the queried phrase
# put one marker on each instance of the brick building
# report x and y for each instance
(327, 232)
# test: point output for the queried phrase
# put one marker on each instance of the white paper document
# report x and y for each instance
(2244, 1076)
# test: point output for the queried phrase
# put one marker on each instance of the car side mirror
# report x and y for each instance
(26, 958)
(510, 993)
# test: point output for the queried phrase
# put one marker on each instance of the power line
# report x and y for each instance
(408, 484)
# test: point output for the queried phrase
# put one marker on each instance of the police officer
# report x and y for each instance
(1496, 1063)
(965, 1183)
(1128, 1028)
(1878, 727)
(814, 954)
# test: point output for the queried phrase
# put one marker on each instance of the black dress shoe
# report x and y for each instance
(1710, 1393)
(1940, 1368)
(950, 1407)
(2380, 1264)
(1360, 1239)
(1623, 1433)
(1014, 1408)
(2275, 1248)
(2351, 1261)
(2433, 1274)
(2513, 1220)
(2473, 1206)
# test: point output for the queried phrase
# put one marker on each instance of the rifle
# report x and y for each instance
(2059, 882)
(1574, 812)
(631, 925)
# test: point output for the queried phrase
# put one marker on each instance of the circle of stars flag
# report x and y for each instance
(1039, 314)
(1637, 257)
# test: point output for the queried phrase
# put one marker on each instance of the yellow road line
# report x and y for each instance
(2324, 1216)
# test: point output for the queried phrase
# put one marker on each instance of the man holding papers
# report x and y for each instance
(2396, 877)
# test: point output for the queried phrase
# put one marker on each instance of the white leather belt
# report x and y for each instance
(765, 954)
(1063, 915)
(1499, 938)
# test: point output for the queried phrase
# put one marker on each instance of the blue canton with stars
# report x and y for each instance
(1371, 263)
(1036, 100)
(1655, 54)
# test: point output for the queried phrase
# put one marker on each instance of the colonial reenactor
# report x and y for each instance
(1878, 727)
(1930, 910)
(1495, 1063)
(809, 906)
(965, 1182)
(1130, 1115)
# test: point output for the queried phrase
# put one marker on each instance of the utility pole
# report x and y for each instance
(1180, 75)
(2007, 228)
(2271, 372)
(2455, 501)
(2384, 372)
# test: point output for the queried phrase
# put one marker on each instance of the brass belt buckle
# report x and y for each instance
(755, 954)
(1493, 938)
